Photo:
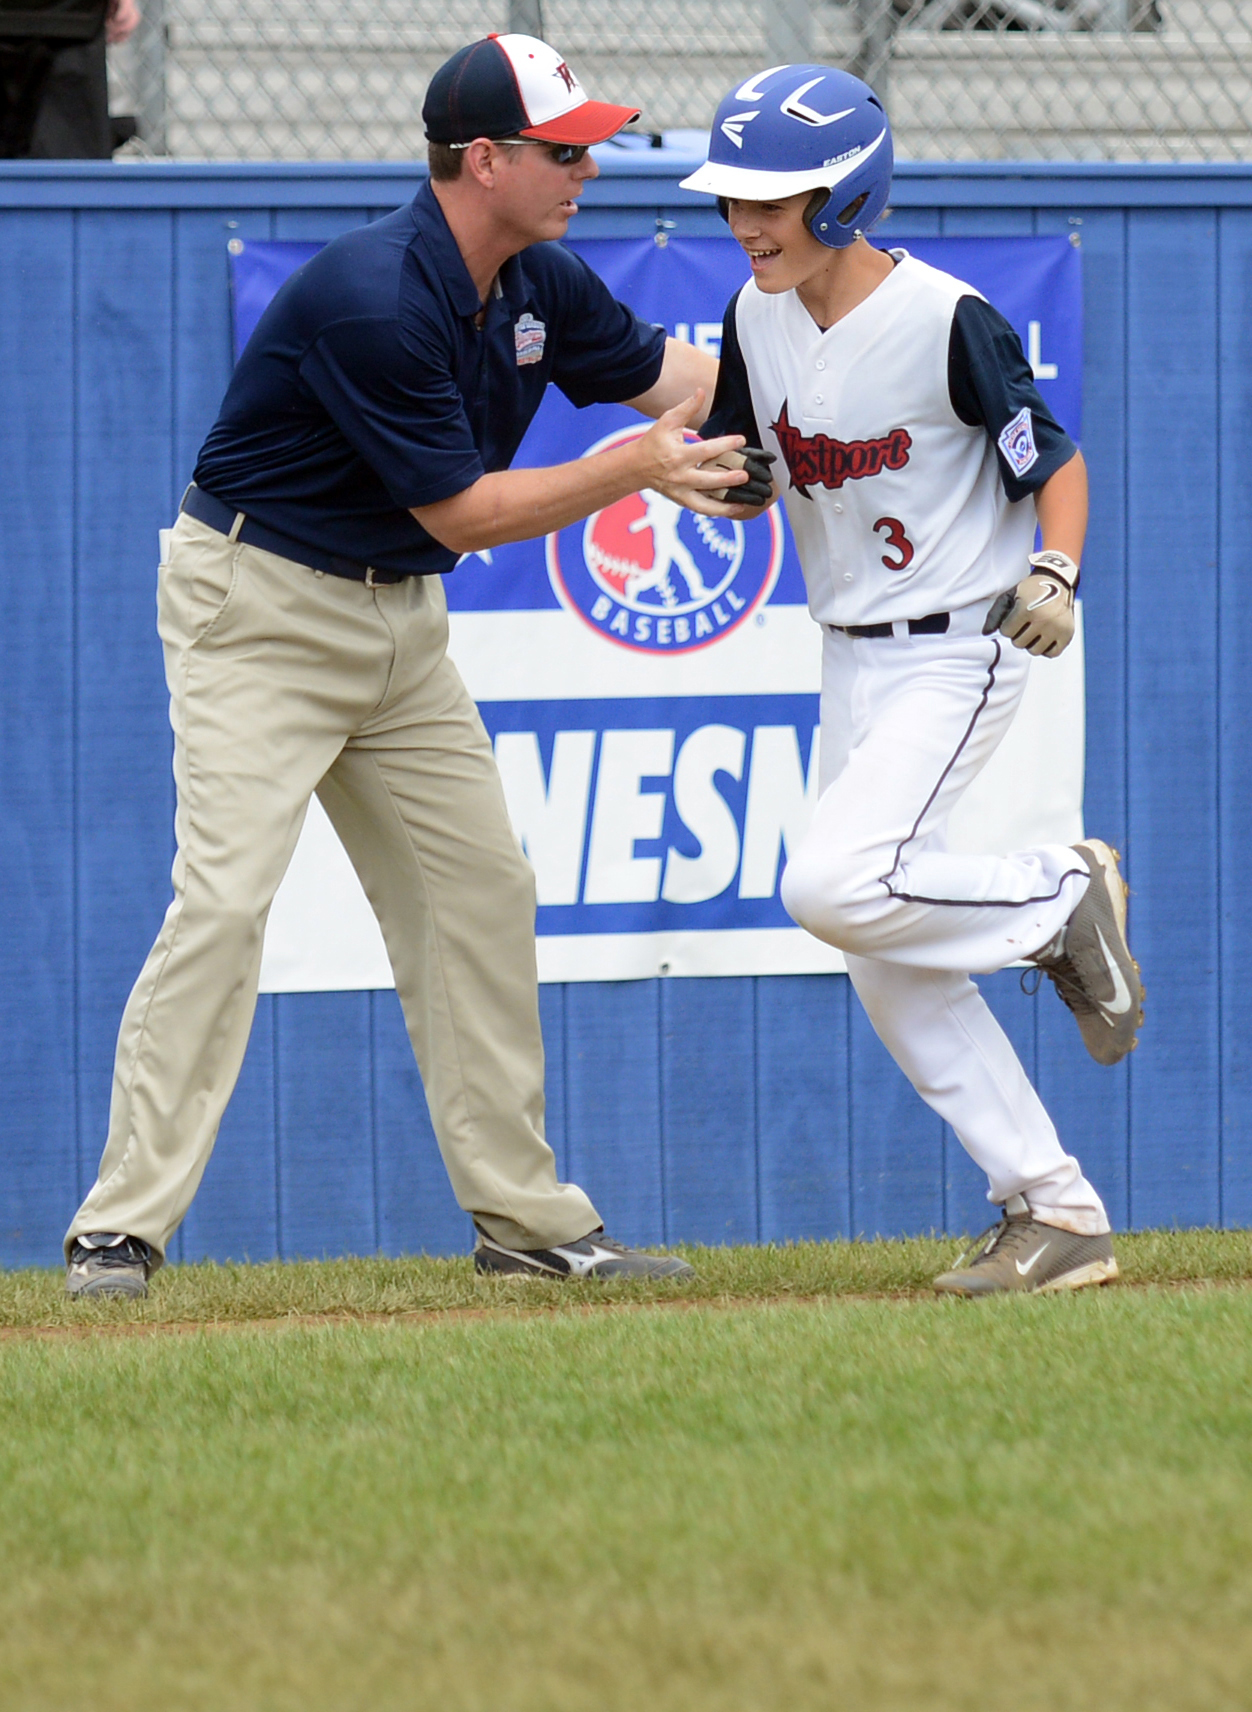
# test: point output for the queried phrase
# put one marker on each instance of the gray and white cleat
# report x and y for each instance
(593, 1256)
(1093, 970)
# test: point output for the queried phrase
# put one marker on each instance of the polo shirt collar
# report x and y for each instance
(428, 217)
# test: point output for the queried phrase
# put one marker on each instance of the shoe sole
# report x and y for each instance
(113, 1287)
(1098, 1272)
(1105, 1044)
(491, 1262)
(1095, 1272)
(501, 1265)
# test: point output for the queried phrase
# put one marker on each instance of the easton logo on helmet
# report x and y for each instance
(819, 460)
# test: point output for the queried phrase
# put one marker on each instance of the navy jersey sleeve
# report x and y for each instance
(991, 386)
(732, 411)
(403, 414)
(605, 353)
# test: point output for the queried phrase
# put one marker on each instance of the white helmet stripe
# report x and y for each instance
(796, 109)
(750, 91)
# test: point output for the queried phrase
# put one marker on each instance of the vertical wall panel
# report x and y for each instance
(125, 791)
(1235, 710)
(326, 1194)
(613, 1103)
(708, 1095)
(39, 1174)
(1172, 709)
(802, 1106)
(417, 1211)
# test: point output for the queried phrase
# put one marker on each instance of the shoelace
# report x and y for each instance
(128, 1253)
(1060, 971)
(601, 1241)
(1007, 1233)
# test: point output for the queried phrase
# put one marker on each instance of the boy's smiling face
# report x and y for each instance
(782, 250)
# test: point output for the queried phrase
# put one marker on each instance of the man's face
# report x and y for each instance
(538, 195)
(781, 249)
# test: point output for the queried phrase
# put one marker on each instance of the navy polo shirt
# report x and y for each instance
(367, 389)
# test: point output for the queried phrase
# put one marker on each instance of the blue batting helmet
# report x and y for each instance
(803, 127)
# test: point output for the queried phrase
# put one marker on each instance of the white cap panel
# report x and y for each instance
(549, 88)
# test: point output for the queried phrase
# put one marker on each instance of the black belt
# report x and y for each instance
(205, 509)
(934, 624)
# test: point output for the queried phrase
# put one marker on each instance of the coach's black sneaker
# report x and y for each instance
(1022, 1254)
(1090, 963)
(104, 1264)
(594, 1256)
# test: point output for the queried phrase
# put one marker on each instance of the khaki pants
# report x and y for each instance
(284, 682)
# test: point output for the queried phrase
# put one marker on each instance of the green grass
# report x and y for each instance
(207, 1292)
(816, 1488)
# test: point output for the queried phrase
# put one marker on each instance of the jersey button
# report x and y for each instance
(847, 576)
(839, 509)
(821, 362)
(817, 398)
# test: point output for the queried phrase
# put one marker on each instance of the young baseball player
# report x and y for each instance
(918, 458)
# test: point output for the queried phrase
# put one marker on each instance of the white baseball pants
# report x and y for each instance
(907, 723)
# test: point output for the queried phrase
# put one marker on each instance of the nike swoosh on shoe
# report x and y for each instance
(1121, 1001)
(1034, 1260)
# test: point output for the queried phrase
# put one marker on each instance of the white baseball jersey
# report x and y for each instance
(898, 503)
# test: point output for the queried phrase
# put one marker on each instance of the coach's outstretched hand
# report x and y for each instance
(671, 464)
(1038, 614)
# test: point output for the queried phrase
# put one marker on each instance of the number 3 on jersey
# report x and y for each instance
(892, 530)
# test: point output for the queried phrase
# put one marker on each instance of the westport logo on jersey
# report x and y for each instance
(649, 575)
(818, 460)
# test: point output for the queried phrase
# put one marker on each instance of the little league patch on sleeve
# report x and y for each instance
(1016, 441)
(529, 335)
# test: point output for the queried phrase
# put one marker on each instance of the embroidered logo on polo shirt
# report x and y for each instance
(1017, 441)
(529, 336)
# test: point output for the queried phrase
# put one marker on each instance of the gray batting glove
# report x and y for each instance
(1038, 614)
(759, 487)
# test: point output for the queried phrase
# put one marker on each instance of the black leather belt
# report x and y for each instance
(934, 624)
(205, 509)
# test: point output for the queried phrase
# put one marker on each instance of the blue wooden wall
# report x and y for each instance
(729, 1110)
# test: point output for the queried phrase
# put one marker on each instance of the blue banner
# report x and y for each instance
(650, 677)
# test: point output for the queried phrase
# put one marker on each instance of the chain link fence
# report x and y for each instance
(1132, 80)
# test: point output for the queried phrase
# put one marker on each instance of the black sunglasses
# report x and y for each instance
(564, 154)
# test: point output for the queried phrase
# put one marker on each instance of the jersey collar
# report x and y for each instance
(449, 264)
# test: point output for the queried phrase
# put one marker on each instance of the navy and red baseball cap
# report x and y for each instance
(515, 86)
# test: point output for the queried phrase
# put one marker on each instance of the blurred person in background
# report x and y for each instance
(54, 95)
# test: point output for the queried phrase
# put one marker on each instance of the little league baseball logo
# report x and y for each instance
(1017, 441)
(652, 576)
